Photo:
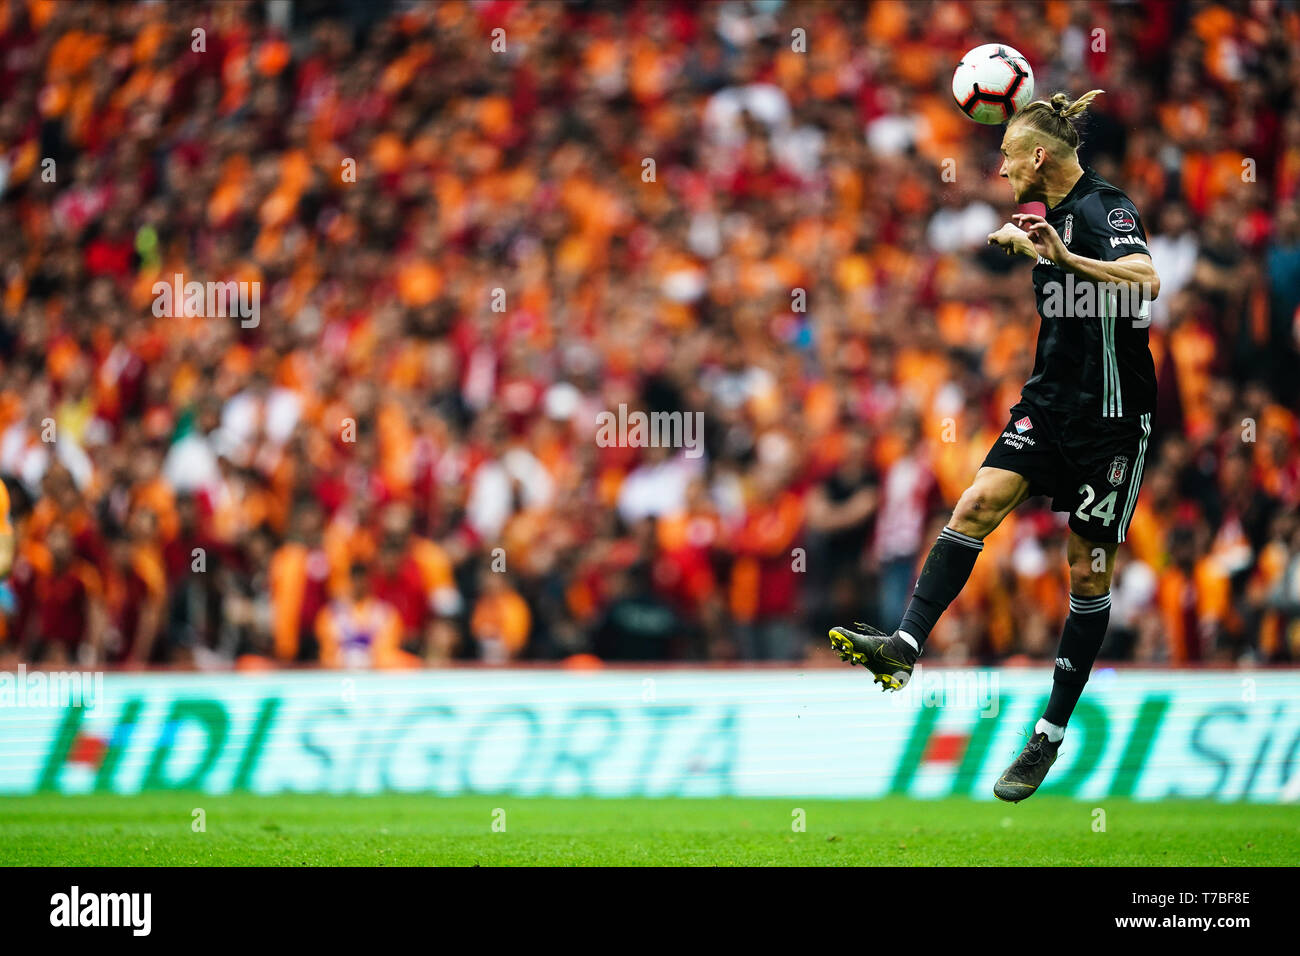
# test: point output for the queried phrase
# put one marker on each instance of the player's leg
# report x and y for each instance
(1107, 463)
(1091, 566)
(981, 508)
(993, 494)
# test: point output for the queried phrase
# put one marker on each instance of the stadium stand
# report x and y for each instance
(463, 255)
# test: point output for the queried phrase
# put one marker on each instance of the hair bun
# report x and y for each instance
(1056, 117)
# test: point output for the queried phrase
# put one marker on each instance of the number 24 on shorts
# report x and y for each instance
(1104, 509)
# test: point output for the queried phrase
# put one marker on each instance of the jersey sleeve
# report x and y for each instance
(1113, 227)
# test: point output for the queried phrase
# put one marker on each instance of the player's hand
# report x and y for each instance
(1013, 240)
(1043, 237)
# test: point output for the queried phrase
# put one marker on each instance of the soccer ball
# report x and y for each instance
(992, 82)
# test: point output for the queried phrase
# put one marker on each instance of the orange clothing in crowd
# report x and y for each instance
(298, 579)
(502, 616)
(1189, 603)
(365, 633)
(395, 381)
(136, 594)
(764, 579)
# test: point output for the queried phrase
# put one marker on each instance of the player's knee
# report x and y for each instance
(978, 511)
(1089, 577)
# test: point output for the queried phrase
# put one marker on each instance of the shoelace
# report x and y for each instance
(1033, 752)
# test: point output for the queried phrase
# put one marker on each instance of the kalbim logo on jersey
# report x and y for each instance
(1121, 220)
(1024, 425)
(1126, 241)
(1117, 469)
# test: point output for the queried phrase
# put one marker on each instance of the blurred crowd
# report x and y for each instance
(474, 227)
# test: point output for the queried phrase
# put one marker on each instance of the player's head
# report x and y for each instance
(1041, 141)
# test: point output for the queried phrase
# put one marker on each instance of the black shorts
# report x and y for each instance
(1091, 468)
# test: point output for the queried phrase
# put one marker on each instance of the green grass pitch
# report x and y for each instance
(422, 830)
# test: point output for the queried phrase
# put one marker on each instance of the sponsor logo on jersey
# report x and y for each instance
(1024, 424)
(1068, 234)
(1118, 468)
(1121, 220)
(1126, 241)
(1064, 664)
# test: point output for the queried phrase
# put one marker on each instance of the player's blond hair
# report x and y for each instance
(1057, 117)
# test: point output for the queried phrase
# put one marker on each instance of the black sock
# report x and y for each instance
(1085, 626)
(944, 575)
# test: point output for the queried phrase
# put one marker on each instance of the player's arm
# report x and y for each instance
(1136, 269)
(1133, 269)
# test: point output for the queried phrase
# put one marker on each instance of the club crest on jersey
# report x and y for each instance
(1024, 425)
(1068, 234)
(1121, 220)
(1118, 468)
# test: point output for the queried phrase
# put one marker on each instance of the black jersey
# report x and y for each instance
(1093, 359)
